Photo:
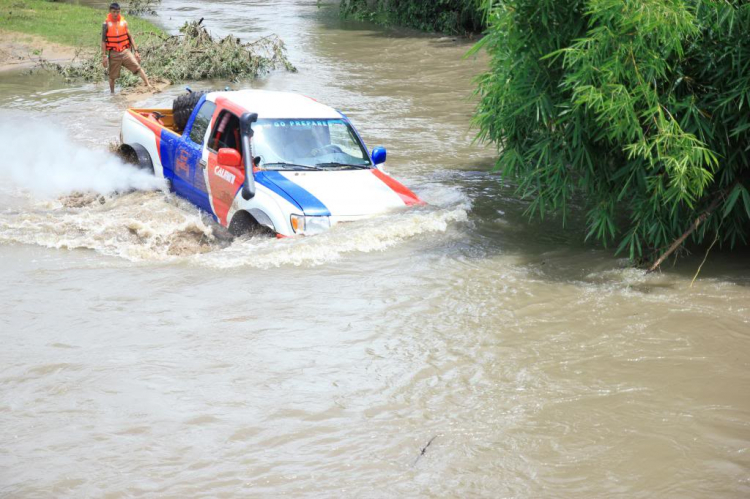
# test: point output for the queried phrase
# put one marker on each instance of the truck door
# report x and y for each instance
(188, 180)
(223, 181)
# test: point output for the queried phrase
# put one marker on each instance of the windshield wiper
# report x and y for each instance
(294, 165)
(349, 165)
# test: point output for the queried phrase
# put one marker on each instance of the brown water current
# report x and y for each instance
(144, 356)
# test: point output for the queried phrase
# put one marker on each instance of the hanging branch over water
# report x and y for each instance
(696, 223)
(192, 55)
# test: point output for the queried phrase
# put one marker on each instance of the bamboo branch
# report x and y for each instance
(696, 223)
(704, 259)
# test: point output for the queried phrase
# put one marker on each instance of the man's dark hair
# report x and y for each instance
(114, 5)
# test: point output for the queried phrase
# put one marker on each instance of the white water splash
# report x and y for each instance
(43, 160)
(140, 226)
(365, 236)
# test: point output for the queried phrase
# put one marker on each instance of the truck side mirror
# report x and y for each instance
(229, 157)
(379, 155)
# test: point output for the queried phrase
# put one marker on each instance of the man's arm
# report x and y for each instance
(132, 42)
(134, 48)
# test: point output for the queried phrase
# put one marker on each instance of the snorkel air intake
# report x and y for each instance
(246, 132)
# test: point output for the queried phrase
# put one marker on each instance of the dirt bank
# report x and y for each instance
(19, 50)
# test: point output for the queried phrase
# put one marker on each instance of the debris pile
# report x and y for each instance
(192, 55)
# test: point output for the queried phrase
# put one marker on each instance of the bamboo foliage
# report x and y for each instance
(636, 108)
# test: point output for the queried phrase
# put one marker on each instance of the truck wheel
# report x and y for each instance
(182, 108)
(137, 155)
(244, 223)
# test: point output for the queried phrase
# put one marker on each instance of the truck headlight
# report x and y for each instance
(302, 224)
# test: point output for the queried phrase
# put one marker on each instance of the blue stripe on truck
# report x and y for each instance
(293, 193)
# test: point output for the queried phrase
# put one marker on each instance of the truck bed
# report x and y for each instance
(166, 119)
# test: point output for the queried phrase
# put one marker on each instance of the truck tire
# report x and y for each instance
(182, 108)
(136, 155)
(243, 223)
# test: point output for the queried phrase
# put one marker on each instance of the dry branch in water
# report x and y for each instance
(192, 55)
(424, 450)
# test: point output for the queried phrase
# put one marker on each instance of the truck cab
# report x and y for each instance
(261, 159)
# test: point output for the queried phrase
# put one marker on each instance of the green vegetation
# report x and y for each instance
(638, 110)
(191, 55)
(63, 23)
(446, 16)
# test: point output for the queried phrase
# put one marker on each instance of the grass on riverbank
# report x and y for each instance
(63, 23)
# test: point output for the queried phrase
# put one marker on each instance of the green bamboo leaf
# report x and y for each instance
(745, 200)
(732, 200)
(474, 50)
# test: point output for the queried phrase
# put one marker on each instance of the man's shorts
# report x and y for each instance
(119, 59)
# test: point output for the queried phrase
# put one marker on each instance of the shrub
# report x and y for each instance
(639, 108)
(447, 16)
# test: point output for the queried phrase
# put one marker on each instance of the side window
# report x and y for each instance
(202, 120)
(226, 133)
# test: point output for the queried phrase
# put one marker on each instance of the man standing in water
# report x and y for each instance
(116, 48)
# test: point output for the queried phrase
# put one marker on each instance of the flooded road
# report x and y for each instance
(142, 356)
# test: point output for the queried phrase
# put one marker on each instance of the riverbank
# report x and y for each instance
(32, 30)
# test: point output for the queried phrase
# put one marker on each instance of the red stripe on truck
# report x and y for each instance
(408, 197)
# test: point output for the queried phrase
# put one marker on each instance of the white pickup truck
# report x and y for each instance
(258, 159)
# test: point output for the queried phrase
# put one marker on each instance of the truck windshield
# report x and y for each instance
(284, 144)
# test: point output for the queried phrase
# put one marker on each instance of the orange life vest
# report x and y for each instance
(117, 34)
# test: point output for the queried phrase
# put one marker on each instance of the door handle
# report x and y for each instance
(202, 164)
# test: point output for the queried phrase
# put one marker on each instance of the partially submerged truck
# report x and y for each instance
(257, 159)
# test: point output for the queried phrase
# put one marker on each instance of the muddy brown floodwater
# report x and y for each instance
(141, 356)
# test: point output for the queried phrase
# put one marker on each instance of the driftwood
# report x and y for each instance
(424, 450)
